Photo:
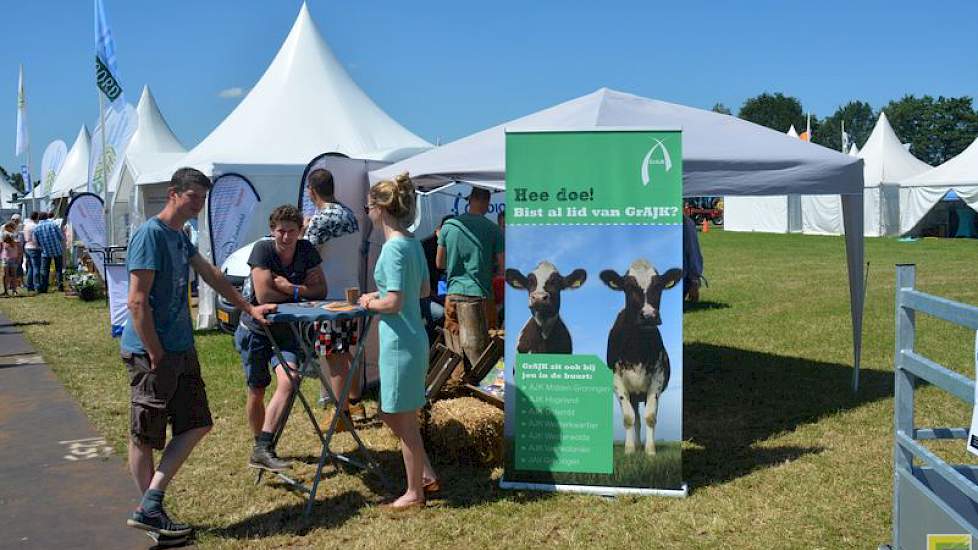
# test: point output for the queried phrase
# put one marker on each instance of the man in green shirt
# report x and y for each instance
(469, 247)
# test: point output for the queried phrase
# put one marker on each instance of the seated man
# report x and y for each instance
(283, 269)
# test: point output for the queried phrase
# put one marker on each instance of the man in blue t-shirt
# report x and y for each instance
(158, 348)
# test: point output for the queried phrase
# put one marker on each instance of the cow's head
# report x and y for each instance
(643, 287)
(544, 285)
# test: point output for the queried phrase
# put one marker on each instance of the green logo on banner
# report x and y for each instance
(563, 414)
(103, 168)
(948, 542)
(105, 81)
(594, 178)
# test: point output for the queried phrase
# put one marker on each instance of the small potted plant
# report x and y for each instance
(85, 284)
(68, 273)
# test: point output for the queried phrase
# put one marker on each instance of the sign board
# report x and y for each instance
(594, 311)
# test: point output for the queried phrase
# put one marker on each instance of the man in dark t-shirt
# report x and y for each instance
(283, 269)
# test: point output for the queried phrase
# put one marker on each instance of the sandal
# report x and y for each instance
(431, 486)
(410, 507)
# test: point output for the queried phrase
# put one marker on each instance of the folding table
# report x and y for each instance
(300, 318)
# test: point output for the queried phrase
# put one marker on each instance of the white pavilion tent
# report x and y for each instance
(722, 155)
(305, 104)
(7, 204)
(919, 194)
(886, 162)
(153, 147)
(764, 214)
(74, 172)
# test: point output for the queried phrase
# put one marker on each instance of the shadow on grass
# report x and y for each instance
(703, 305)
(462, 486)
(736, 398)
(327, 513)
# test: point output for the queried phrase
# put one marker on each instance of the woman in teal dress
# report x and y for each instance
(402, 280)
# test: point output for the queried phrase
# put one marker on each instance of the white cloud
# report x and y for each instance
(231, 93)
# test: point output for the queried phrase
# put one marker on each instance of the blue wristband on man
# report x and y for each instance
(295, 293)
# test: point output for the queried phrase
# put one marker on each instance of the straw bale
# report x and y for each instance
(465, 430)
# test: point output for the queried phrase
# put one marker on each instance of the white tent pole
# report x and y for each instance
(852, 215)
(437, 189)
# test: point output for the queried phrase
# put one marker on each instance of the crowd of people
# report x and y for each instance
(419, 282)
(28, 251)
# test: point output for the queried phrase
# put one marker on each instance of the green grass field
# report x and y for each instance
(777, 451)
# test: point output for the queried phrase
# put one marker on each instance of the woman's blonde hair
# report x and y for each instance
(397, 197)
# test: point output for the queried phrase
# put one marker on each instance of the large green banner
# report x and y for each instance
(594, 311)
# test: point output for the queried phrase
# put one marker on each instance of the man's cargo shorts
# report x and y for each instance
(172, 392)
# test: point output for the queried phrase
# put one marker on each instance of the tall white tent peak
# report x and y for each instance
(74, 172)
(792, 132)
(854, 150)
(886, 159)
(153, 135)
(961, 170)
(304, 104)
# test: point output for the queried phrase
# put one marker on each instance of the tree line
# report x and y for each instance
(936, 129)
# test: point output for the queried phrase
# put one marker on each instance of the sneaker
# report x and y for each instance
(158, 522)
(164, 541)
(358, 413)
(266, 459)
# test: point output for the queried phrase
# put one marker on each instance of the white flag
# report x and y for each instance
(23, 140)
(105, 165)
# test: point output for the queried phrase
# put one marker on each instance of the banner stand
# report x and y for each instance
(594, 311)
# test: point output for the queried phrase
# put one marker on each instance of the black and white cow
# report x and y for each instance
(544, 331)
(636, 354)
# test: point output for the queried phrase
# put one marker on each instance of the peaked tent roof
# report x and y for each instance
(74, 172)
(886, 159)
(305, 104)
(854, 150)
(961, 170)
(153, 147)
(722, 154)
(792, 132)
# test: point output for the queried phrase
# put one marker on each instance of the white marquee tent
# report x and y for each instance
(766, 214)
(153, 148)
(74, 172)
(305, 104)
(920, 193)
(722, 155)
(7, 192)
(886, 162)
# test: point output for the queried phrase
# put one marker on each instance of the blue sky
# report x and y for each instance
(447, 69)
(590, 311)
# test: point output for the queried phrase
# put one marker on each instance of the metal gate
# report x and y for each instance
(931, 496)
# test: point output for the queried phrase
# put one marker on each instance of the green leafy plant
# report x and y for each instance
(85, 284)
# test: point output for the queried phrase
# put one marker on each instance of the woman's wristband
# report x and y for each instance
(295, 293)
